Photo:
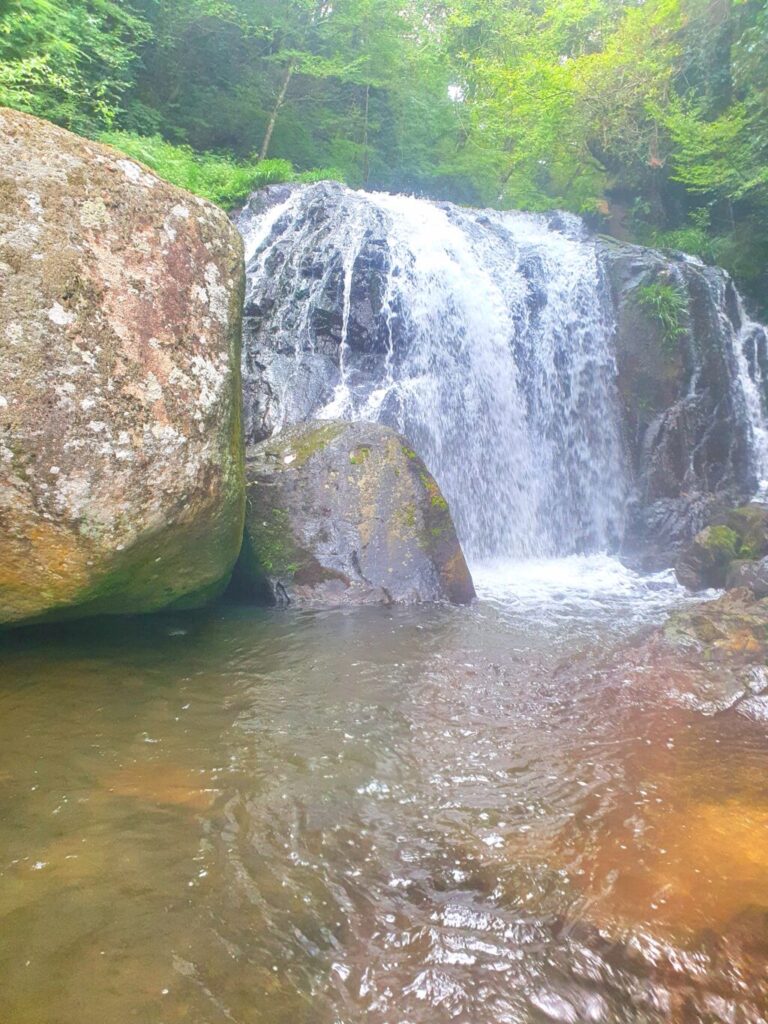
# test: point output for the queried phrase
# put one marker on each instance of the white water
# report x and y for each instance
(584, 588)
(495, 360)
(753, 387)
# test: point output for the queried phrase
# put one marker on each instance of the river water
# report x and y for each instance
(394, 816)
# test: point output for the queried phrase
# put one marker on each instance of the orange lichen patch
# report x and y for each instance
(741, 641)
(163, 784)
(50, 569)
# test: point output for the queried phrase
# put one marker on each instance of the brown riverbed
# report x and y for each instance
(395, 817)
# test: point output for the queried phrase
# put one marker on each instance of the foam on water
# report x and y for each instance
(577, 586)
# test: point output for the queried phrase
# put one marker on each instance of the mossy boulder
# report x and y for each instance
(705, 563)
(347, 513)
(121, 480)
(750, 523)
(721, 554)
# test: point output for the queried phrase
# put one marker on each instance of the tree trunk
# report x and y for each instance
(366, 158)
(289, 72)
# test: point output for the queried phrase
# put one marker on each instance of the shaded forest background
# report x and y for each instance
(649, 117)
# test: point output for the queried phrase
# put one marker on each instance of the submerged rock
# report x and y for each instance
(717, 651)
(121, 476)
(346, 513)
(709, 657)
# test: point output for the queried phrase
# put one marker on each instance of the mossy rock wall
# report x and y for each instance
(121, 468)
(685, 432)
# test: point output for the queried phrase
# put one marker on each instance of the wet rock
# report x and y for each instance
(753, 575)
(725, 554)
(685, 425)
(293, 347)
(705, 564)
(717, 651)
(346, 513)
(709, 657)
(751, 524)
(121, 477)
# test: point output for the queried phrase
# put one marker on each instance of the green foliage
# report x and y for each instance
(218, 178)
(650, 118)
(667, 305)
(69, 61)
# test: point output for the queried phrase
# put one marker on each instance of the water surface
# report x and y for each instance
(389, 816)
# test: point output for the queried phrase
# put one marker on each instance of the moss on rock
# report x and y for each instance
(347, 513)
(719, 549)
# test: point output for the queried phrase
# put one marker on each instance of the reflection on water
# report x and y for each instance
(381, 816)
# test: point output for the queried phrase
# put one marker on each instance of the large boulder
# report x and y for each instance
(121, 473)
(346, 513)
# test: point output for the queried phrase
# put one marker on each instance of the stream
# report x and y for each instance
(390, 816)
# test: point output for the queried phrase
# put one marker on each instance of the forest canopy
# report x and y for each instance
(649, 117)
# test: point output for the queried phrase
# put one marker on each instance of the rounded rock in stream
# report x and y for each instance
(347, 513)
(121, 479)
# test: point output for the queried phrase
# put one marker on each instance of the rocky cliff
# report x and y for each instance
(680, 333)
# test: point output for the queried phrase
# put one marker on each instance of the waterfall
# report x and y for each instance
(489, 340)
(750, 345)
(483, 337)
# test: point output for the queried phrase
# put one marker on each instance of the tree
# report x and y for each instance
(69, 61)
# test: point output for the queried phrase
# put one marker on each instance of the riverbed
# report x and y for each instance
(394, 816)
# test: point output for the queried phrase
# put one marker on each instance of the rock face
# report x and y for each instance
(346, 513)
(121, 476)
(686, 425)
(290, 373)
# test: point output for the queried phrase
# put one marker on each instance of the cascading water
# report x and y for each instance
(519, 356)
(750, 345)
(483, 337)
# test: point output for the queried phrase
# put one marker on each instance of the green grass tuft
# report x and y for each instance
(667, 304)
(219, 178)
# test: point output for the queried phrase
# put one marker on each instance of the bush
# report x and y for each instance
(213, 176)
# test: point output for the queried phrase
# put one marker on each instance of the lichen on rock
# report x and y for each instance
(346, 513)
(121, 479)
